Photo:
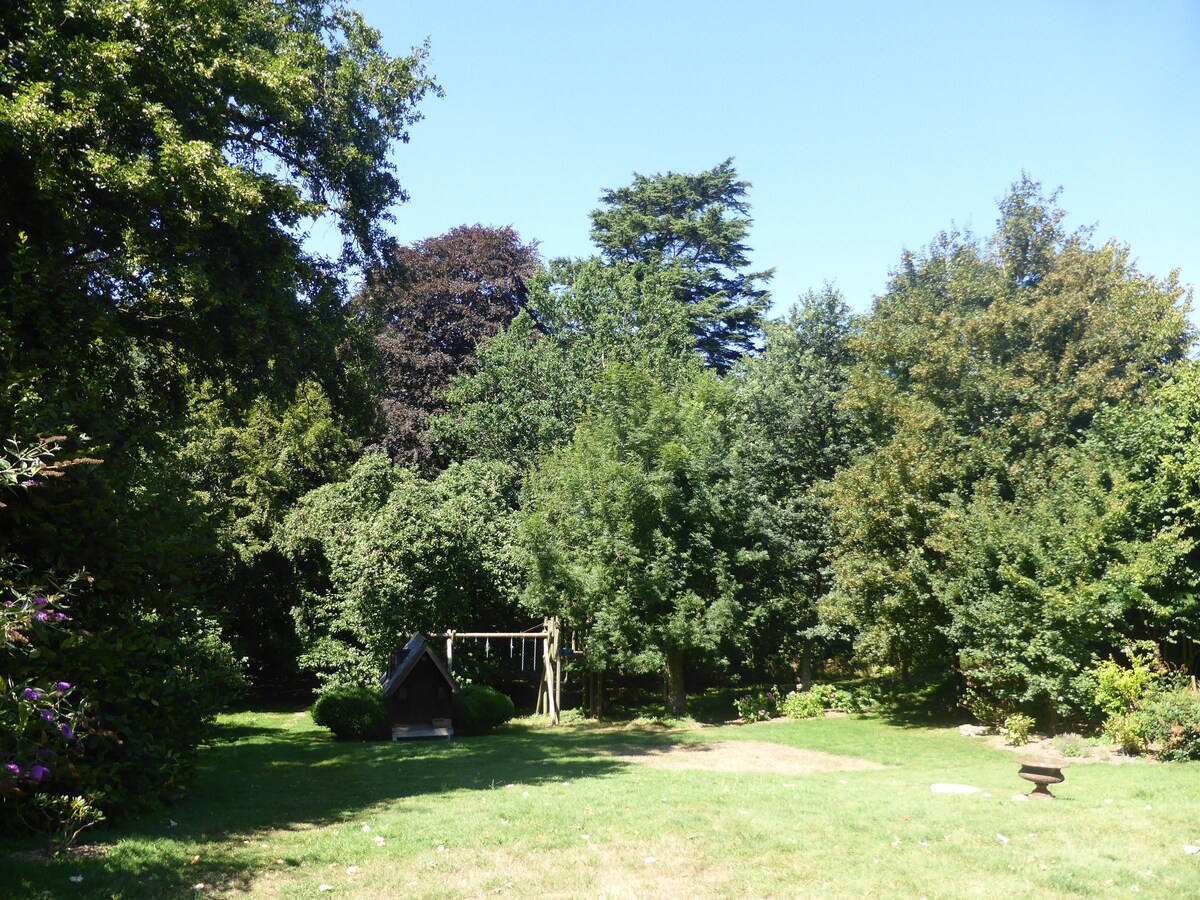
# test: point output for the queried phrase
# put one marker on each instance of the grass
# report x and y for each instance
(279, 809)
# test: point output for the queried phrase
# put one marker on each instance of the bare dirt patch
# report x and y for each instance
(744, 756)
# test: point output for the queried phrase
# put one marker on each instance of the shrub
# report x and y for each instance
(572, 717)
(352, 712)
(1130, 731)
(479, 708)
(834, 698)
(1165, 721)
(802, 705)
(1017, 729)
(1119, 688)
(102, 723)
(757, 706)
(1172, 709)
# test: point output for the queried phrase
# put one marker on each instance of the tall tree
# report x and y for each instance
(1097, 556)
(159, 164)
(792, 436)
(438, 301)
(386, 553)
(244, 472)
(698, 223)
(979, 365)
(627, 531)
(535, 379)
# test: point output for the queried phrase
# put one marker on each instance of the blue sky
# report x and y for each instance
(865, 128)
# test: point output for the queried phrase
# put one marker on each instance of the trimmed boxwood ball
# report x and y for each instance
(352, 713)
(479, 708)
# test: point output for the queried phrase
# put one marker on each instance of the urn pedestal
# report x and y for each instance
(1042, 774)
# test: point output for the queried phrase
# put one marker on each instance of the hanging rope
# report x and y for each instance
(522, 654)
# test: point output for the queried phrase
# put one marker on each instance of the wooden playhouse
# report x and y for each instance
(419, 691)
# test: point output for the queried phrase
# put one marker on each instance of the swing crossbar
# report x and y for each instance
(495, 634)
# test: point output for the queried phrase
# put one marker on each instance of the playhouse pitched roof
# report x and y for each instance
(403, 663)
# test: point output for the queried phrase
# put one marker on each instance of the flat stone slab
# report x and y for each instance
(955, 789)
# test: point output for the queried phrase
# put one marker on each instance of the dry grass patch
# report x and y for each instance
(744, 756)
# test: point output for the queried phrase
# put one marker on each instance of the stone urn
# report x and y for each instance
(1041, 773)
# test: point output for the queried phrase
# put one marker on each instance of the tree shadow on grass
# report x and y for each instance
(711, 706)
(255, 779)
(920, 703)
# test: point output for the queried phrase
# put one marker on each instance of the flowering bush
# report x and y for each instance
(105, 718)
(758, 706)
(40, 735)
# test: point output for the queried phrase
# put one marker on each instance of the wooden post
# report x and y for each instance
(541, 693)
(557, 669)
(550, 671)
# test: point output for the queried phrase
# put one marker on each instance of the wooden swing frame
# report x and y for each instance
(550, 686)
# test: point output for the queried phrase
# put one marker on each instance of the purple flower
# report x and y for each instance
(40, 601)
(770, 696)
(38, 772)
(13, 768)
(41, 615)
(67, 733)
(58, 617)
(31, 694)
(63, 686)
(48, 715)
(8, 602)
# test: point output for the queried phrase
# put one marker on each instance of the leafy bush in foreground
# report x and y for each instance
(352, 712)
(478, 709)
(97, 719)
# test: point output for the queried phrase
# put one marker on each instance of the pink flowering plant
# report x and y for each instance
(41, 727)
(757, 706)
(39, 720)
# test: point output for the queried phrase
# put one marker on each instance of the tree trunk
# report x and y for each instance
(676, 698)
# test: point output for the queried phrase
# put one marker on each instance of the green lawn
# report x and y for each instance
(279, 809)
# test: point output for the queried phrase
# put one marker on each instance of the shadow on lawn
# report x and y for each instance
(257, 779)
